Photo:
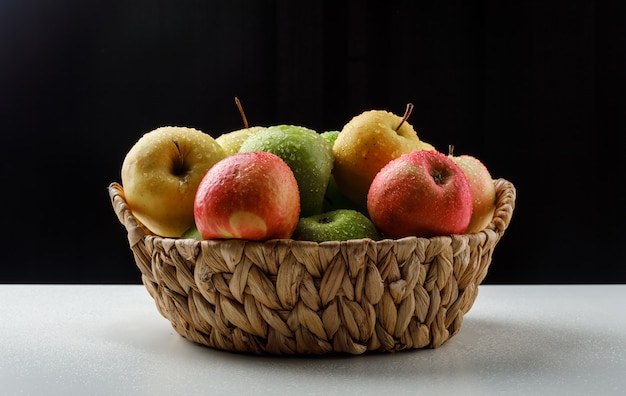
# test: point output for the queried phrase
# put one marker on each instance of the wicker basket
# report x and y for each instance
(285, 297)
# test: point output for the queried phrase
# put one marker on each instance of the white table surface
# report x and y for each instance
(110, 340)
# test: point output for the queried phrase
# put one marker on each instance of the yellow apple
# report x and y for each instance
(482, 187)
(161, 173)
(366, 144)
(231, 141)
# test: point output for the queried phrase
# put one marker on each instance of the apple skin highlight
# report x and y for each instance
(251, 195)
(245, 223)
(423, 194)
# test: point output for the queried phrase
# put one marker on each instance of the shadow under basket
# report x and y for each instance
(286, 297)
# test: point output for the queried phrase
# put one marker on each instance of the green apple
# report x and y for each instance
(337, 225)
(367, 143)
(330, 136)
(231, 141)
(308, 155)
(192, 233)
(161, 173)
(334, 199)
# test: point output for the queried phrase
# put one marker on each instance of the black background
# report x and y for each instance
(536, 90)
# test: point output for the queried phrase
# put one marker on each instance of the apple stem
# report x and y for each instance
(407, 113)
(179, 167)
(243, 115)
(450, 149)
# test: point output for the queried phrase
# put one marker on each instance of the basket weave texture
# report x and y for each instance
(286, 297)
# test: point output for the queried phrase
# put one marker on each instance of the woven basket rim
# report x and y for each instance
(505, 204)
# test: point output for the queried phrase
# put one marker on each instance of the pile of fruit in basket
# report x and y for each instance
(375, 178)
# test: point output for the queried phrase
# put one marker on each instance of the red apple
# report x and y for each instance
(483, 190)
(250, 195)
(423, 193)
